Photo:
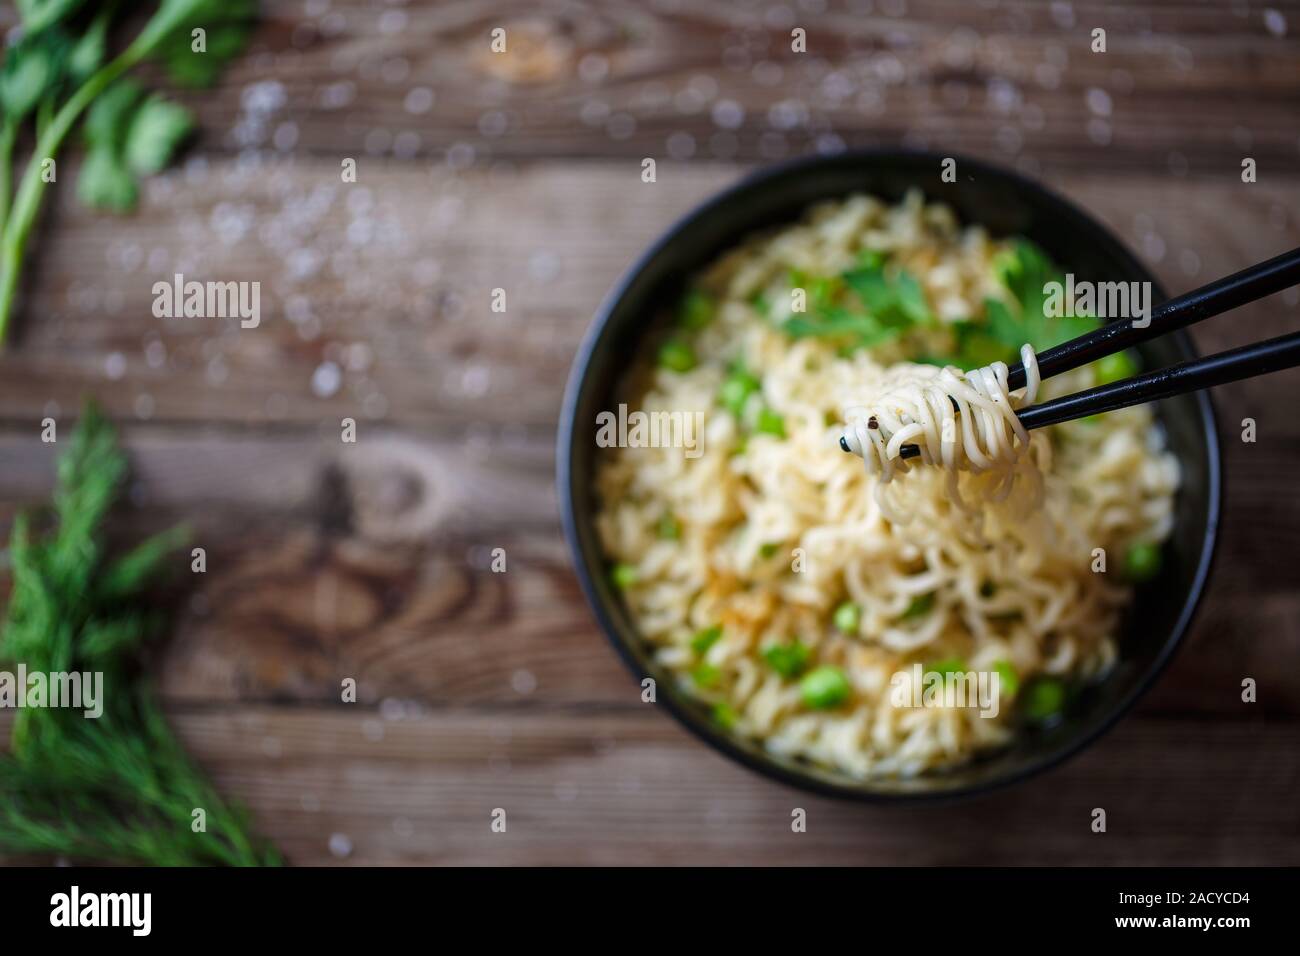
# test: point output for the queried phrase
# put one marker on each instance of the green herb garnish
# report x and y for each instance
(862, 307)
(725, 715)
(919, 606)
(60, 68)
(770, 422)
(706, 675)
(1008, 679)
(736, 389)
(1026, 270)
(117, 788)
(705, 639)
(897, 302)
(668, 528)
(1116, 367)
(696, 310)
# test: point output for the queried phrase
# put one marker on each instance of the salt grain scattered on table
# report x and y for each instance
(340, 845)
(523, 682)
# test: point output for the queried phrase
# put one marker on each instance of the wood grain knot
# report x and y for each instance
(537, 51)
(395, 491)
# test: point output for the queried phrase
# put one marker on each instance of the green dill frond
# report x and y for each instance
(119, 787)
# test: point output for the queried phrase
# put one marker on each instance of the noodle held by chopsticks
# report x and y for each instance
(961, 421)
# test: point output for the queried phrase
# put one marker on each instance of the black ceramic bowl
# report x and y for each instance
(1006, 204)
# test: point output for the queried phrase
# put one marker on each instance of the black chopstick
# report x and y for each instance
(1248, 361)
(1219, 296)
(1271, 355)
(1211, 299)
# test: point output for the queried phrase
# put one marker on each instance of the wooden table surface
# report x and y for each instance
(522, 171)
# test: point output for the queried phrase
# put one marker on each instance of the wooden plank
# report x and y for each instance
(293, 617)
(402, 785)
(633, 789)
(377, 307)
(387, 486)
(373, 561)
(622, 79)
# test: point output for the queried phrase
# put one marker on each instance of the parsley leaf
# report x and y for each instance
(88, 53)
(105, 183)
(1026, 270)
(39, 14)
(128, 137)
(898, 302)
(106, 123)
(57, 67)
(33, 70)
(862, 307)
(226, 26)
(157, 129)
(860, 331)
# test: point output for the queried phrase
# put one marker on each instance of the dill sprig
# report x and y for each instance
(120, 787)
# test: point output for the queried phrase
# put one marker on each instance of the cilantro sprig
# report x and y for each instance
(60, 68)
(1026, 270)
(872, 305)
(863, 307)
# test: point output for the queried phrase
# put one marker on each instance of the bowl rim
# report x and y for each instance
(723, 741)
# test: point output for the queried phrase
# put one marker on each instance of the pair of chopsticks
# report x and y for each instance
(1217, 297)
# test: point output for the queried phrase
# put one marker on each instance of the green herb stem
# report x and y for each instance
(36, 17)
(31, 190)
(8, 133)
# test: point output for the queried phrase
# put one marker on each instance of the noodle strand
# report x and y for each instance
(961, 421)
